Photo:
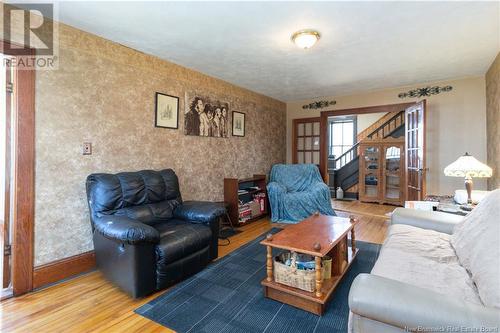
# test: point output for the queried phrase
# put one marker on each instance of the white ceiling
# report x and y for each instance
(364, 45)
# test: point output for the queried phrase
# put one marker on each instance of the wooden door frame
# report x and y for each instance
(323, 127)
(23, 174)
(295, 122)
(6, 278)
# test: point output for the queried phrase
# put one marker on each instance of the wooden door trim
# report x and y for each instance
(7, 169)
(24, 177)
(369, 109)
(305, 120)
(294, 134)
(323, 126)
(424, 155)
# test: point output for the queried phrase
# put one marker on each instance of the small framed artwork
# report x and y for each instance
(166, 111)
(238, 123)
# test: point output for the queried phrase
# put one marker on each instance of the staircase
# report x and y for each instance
(343, 171)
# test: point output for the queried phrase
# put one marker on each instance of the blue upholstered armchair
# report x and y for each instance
(296, 191)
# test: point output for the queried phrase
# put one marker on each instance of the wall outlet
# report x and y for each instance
(87, 148)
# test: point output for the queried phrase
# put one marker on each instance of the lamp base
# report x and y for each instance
(468, 186)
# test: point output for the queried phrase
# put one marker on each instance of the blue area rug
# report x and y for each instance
(227, 297)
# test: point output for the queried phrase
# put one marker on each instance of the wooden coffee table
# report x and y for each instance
(318, 235)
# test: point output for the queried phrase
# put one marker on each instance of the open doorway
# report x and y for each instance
(375, 154)
(359, 146)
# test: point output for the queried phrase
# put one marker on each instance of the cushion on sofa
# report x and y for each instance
(476, 241)
(426, 259)
(179, 238)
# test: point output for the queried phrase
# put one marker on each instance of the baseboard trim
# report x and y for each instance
(62, 269)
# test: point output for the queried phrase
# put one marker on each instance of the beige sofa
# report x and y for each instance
(436, 272)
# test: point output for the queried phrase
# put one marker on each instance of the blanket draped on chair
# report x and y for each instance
(296, 191)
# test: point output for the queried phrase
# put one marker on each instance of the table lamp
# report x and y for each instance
(467, 166)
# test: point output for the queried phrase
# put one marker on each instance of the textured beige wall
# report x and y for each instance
(456, 123)
(493, 121)
(104, 93)
(366, 120)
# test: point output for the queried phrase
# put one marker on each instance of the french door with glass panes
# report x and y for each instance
(306, 140)
(415, 151)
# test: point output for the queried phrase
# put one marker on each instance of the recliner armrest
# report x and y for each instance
(126, 230)
(437, 221)
(405, 306)
(199, 211)
(205, 212)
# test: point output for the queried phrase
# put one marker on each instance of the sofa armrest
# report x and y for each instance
(437, 221)
(405, 306)
(275, 187)
(126, 230)
(200, 211)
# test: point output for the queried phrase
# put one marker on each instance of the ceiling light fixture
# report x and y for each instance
(305, 39)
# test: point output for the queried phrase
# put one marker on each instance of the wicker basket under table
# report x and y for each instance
(293, 277)
(319, 236)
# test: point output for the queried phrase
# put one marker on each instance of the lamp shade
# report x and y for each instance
(468, 166)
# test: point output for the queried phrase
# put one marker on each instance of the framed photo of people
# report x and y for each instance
(238, 123)
(166, 111)
(206, 116)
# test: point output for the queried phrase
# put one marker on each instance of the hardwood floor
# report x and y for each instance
(373, 221)
(89, 303)
(363, 208)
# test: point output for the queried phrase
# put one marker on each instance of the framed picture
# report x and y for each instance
(238, 123)
(206, 116)
(166, 111)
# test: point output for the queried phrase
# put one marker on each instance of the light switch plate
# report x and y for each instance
(87, 148)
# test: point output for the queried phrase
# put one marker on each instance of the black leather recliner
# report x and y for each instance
(145, 237)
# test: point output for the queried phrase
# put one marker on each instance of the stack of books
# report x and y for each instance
(244, 212)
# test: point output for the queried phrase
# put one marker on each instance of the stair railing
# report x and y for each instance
(384, 130)
(346, 157)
